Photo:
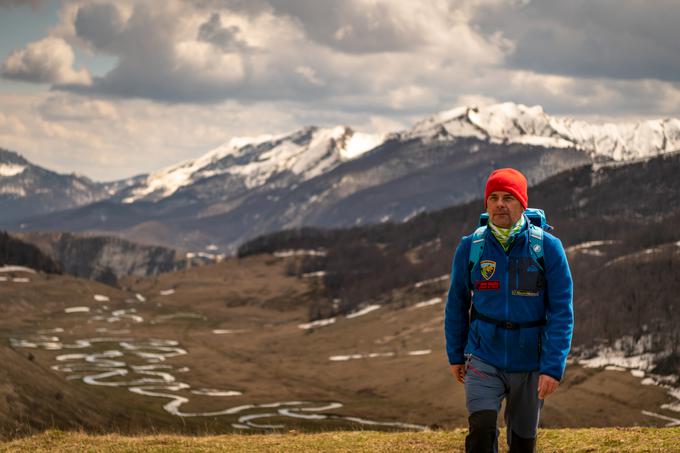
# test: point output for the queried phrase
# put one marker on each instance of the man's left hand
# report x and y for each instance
(546, 385)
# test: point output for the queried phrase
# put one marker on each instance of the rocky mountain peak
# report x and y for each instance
(306, 153)
(517, 123)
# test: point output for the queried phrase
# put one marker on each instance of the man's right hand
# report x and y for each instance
(458, 371)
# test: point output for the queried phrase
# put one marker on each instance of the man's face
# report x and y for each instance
(504, 209)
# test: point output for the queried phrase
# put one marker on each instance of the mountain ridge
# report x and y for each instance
(336, 177)
(306, 153)
(517, 123)
(499, 123)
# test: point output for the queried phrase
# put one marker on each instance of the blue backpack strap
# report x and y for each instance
(477, 246)
(537, 217)
(536, 245)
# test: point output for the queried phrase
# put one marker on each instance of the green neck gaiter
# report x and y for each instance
(506, 235)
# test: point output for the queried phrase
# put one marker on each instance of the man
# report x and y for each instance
(509, 318)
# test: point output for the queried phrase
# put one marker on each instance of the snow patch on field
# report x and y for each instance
(318, 323)
(431, 281)
(314, 274)
(671, 421)
(17, 269)
(363, 311)
(214, 392)
(627, 353)
(584, 246)
(228, 331)
(119, 315)
(421, 352)
(428, 303)
(289, 253)
(372, 355)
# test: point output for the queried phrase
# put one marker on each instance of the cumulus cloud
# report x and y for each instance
(49, 60)
(366, 55)
(209, 51)
(166, 52)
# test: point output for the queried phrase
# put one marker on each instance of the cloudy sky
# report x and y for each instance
(111, 89)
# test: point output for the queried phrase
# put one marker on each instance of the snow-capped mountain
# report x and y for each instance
(516, 123)
(304, 154)
(336, 177)
(312, 151)
(392, 182)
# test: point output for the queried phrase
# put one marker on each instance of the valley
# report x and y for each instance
(227, 347)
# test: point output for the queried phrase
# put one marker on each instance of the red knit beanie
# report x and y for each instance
(507, 180)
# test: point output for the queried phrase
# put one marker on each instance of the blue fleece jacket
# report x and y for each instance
(508, 286)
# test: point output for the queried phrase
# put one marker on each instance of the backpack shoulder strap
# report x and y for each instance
(477, 246)
(536, 245)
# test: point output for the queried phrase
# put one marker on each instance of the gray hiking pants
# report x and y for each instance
(485, 388)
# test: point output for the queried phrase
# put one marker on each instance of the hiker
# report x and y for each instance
(509, 316)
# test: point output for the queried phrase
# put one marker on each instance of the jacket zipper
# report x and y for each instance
(507, 295)
(507, 291)
(507, 305)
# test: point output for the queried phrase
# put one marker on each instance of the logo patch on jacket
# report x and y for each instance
(488, 268)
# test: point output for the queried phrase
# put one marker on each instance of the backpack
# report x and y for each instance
(537, 224)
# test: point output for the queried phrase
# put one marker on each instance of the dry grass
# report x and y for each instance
(550, 440)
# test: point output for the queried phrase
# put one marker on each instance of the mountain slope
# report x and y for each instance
(105, 259)
(250, 163)
(33, 398)
(391, 182)
(27, 189)
(15, 252)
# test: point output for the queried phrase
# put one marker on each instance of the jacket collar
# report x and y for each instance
(521, 234)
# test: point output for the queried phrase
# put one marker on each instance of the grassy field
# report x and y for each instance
(550, 440)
